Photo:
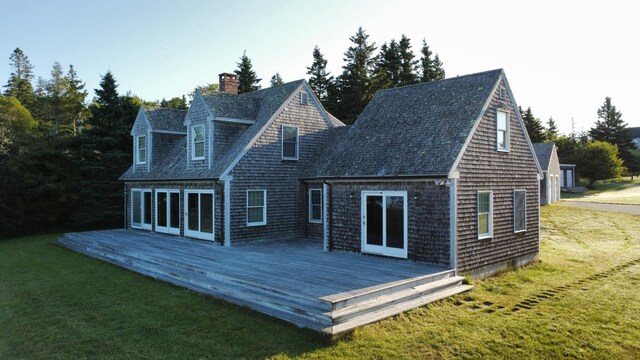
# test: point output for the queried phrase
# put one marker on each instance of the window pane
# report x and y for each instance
(374, 220)
(162, 209)
(483, 224)
(316, 197)
(501, 139)
(206, 213)
(147, 207)
(519, 210)
(395, 222)
(483, 203)
(192, 209)
(198, 133)
(502, 121)
(289, 150)
(174, 212)
(255, 198)
(199, 149)
(316, 212)
(289, 134)
(254, 215)
(136, 208)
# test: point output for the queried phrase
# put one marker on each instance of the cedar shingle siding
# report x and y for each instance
(482, 167)
(426, 140)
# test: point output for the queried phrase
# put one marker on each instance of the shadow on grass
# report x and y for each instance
(64, 303)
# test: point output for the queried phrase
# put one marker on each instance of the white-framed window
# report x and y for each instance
(502, 126)
(485, 214)
(141, 209)
(289, 142)
(199, 214)
(519, 210)
(304, 98)
(197, 142)
(141, 149)
(315, 205)
(256, 207)
(167, 208)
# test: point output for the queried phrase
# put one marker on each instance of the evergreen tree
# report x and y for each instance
(409, 64)
(355, 82)
(534, 126)
(388, 67)
(612, 129)
(276, 80)
(74, 105)
(431, 68)
(178, 103)
(19, 84)
(247, 78)
(320, 79)
(55, 90)
(552, 130)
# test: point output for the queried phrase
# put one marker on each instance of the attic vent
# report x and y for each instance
(503, 93)
(304, 98)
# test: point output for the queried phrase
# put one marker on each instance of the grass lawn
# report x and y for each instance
(617, 191)
(582, 300)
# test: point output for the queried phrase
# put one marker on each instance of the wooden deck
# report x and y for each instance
(294, 280)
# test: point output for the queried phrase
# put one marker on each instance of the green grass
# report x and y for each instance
(58, 304)
(616, 191)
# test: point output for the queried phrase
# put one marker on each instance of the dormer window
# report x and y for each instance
(197, 142)
(289, 142)
(141, 150)
(502, 135)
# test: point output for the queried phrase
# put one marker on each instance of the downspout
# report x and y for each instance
(125, 206)
(227, 211)
(453, 224)
(325, 213)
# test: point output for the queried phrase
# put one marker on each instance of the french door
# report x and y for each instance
(198, 214)
(384, 223)
(141, 209)
(168, 211)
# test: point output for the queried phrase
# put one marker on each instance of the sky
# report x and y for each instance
(562, 58)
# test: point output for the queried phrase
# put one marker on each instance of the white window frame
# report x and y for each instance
(507, 135)
(185, 219)
(516, 210)
(383, 249)
(297, 143)
(304, 98)
(167, 229)
(311, 205)
(264, 207)
(138, 161)
(193, 142)
(143, 225)
(488, 234)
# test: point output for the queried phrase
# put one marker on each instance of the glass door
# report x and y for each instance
(199, 214)
(168, 211)
(384, 223)
(141, 209)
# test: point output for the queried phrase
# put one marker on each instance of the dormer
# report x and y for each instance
(154, 131)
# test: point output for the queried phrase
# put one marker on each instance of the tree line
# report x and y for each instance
(605, 151)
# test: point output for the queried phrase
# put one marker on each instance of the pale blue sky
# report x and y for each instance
(554, 52)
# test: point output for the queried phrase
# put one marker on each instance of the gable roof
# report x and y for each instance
(544, 151)
(440, 114)
(162, 119)
(174, 165)
(233, 106)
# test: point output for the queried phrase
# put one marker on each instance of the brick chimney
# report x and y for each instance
(228, 83)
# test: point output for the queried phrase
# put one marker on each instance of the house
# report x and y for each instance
(442, 172)
(548, 159)
(635, 135)
(567, 177)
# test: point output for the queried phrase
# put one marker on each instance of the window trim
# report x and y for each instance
(297, 142)
(193, 142)
(137, 149)
(507, 131)
(311, 205)
(488, 234)
(143, 225)
(515, 210)
(264, 208)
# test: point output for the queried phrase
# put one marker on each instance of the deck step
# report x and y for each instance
(392, 298)
(395, 309)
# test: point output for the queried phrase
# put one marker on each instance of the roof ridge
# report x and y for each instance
(429, 83)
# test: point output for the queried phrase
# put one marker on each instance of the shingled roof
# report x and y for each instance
(415, 130)
(165, 119)
(543, 153)
(174, 165)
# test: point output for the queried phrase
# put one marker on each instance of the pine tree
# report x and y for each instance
(55, 90)
(247, 78)
(178, 103)
(409, 64)
(431, 67)
(552, 130)
(19, 84)
(388, 66)
(612, 129)
(355, 82)
(276, 80)
(74, 105)
(533, 125)
(320, 79)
